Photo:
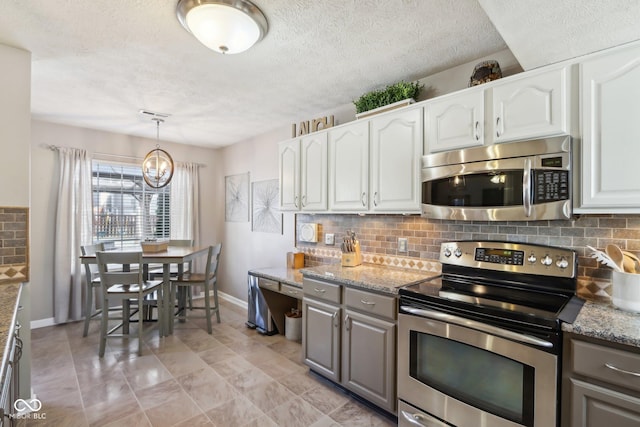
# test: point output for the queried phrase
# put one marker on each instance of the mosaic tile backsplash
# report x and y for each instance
(378, 236)
(14, 244)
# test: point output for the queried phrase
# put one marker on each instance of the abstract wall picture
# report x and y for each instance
(237, 198)
(266, 215)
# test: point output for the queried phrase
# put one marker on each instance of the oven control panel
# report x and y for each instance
(511, 257)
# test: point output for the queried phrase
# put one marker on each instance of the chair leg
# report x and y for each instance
(140, 323)
(215, 299)
(104, 326)
(126, 313)
(87, 304)
(207, 304)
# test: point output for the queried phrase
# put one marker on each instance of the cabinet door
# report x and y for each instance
(455, 122)
(368, 358)
(531, 107)
(610, 109)
(594, 406)
(349, 167)
(313, 179)
(396, 150)
(321, 338)
(289, 174)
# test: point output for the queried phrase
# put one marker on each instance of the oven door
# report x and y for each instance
(515, 189)
(471, 378)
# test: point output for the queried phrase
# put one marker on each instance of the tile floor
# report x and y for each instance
(235, 377)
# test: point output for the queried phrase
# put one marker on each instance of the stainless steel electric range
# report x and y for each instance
(481, 344)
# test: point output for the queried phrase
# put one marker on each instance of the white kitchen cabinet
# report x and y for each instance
(303, 173)
(374, 165)
(455, 121)
(610, 112)
(349, 167)
(396, 150)
(535, 105)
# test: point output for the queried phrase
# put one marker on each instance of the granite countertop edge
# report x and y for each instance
(9, 295)
(604, 321)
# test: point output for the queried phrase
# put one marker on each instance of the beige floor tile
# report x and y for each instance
(234, 413)
(267, 396)
(294, 413)
(231, 366)
(217, 354)
(181, 362)
(149, 397)
(138, 419)
(263, 421)
(104, 413)
(299, 382)
(354, 414)
(198, 421)
(174, 410)
(207, 388)
(278, 366)
(52, 388)
(249, 379)
(145, 371)
(67, 419)
(112, 389)
(325, 398)
(326, 421)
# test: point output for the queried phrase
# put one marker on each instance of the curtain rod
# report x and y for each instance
(120, 156)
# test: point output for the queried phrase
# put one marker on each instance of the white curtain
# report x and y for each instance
(73, 229)
(185, 202)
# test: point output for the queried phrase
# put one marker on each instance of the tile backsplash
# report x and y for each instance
(14, 244)
(378, 236)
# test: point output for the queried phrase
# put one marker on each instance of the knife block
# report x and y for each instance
(352, 259)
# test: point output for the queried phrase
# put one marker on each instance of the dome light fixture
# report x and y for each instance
(157, 166)
(226, 26)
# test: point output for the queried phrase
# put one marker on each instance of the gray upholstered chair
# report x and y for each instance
(93, 282)
(123, 285)
(209, 282)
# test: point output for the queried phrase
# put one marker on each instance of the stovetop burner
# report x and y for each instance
(503, 282)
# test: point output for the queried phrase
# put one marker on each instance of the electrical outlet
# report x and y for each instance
(329, 239)
(402, 244)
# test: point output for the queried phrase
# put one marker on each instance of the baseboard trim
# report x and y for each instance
(43, 323)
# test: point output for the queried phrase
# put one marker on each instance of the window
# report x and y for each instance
(125, 209)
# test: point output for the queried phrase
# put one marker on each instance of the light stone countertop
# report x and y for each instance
(280, 274)
(368, 276)
(9, 295)
(606, 322)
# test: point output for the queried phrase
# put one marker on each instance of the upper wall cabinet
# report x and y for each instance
(396, 150)
(610, 113)
(349, 167)
(531, 106)
(374, 165)
(303, 173)
(455, 121)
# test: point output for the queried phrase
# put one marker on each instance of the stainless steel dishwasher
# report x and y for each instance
(259, 316)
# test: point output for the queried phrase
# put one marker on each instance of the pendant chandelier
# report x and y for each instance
(157, 166)
(225, 26)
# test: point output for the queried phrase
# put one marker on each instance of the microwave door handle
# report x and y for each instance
(526, 187)
(479, 326)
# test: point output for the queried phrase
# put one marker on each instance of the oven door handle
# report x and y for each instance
(421, 420)
(460, 321)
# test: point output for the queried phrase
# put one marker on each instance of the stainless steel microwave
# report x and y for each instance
(516, 181)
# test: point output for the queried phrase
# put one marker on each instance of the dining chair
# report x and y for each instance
(93, 281)
(208, 280)
(123, 285)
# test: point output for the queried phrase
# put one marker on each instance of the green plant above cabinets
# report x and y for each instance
(390, 94)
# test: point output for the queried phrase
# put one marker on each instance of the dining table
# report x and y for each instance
(172, 255)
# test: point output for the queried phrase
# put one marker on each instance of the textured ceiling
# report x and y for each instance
(96, 63)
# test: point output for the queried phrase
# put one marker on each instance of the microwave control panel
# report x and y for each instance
(550, 186)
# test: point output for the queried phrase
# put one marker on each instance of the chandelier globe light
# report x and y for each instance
(225, 26)
(157, 166)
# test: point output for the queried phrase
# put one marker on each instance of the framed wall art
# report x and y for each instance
(266, 215)
(237, 198)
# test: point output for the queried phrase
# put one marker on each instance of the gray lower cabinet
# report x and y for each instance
(601, 384)
(349, 336)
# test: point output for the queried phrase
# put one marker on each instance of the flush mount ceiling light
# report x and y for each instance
(157, 166)
(226, 26)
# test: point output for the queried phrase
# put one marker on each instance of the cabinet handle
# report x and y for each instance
(498, 126)
(304, 200)
(367, 302)
(320, 291)
(347, 319)
(293, 292)
(375, 198)
(335, 317)
(295, 202)
(476, 131)
(363, 199)
(624, 371)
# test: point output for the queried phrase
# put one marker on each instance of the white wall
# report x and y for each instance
(44, 189)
